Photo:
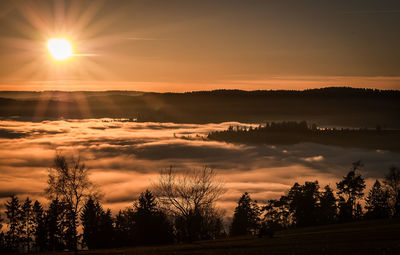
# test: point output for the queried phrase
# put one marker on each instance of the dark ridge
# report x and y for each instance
(327, 106)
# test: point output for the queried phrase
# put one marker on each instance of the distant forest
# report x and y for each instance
(293, 132)
(326, 106)
(180, 208)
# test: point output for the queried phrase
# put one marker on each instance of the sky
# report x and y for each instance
(171, 45)
(125, 158)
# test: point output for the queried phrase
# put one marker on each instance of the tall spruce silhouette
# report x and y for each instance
(28, 224)
(151, 223)
(328, 207)
(54, 221)
(14, 217)
(377, 202)
(40, 231)
(98, 231)
(246, 217)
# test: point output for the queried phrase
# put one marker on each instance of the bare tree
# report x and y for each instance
(190, 196)
(68, 181)
(189, 191)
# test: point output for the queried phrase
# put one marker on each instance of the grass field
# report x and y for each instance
(368, 237)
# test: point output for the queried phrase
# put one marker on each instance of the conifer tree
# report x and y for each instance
(2, 241)
(40, 232)
(303, 203)
(14, 221)
(377, 202)
(151, 224)
(328, 207)
(246, 217)
(97, 225)
(28, 227)
(54, 224)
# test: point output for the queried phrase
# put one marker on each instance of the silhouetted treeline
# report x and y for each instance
(32, 228)
(328, 106)
(292, 132)
(307, 205)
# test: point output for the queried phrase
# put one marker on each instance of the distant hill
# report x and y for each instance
(326, 106)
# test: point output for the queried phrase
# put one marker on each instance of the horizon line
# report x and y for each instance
(194, 91)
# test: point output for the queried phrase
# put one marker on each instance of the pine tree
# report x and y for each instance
(303, 203)
(40, 232)
(27, 223)
(246, 217)
(13, 212)
(124, 227)
(70, 225)
(151, 224)
(98, 229)
(328, 207)
(377, 202)
(90, 219)
(358, 213)
(107, 232)
(2, 241)
(54, 224)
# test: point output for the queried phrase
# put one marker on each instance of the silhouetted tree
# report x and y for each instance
(70, 224)
(124, 227)
(97, 225)
(151, 224)
(377, 202)
(303, 203)
(69, 182)
(328, 207)
(190, 197)
(107, 230)
(90, 218)
(349, 190)
(28, 227)
(2, 241)
(392, 182)
(345, 210)
(13, 213)
(358, 213)
(246, 218)
(276, 214)
(40, 232)
(54, 221)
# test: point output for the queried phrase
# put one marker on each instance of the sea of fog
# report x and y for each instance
(125, 158)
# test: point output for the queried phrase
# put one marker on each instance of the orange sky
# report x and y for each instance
(178, 45)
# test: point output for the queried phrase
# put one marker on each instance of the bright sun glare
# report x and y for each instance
(60, 49)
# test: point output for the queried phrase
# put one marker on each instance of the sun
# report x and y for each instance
(59, 48)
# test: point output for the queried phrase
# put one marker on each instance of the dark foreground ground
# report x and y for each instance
(370, 237)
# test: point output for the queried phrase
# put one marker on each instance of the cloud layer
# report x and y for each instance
(126, 157)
